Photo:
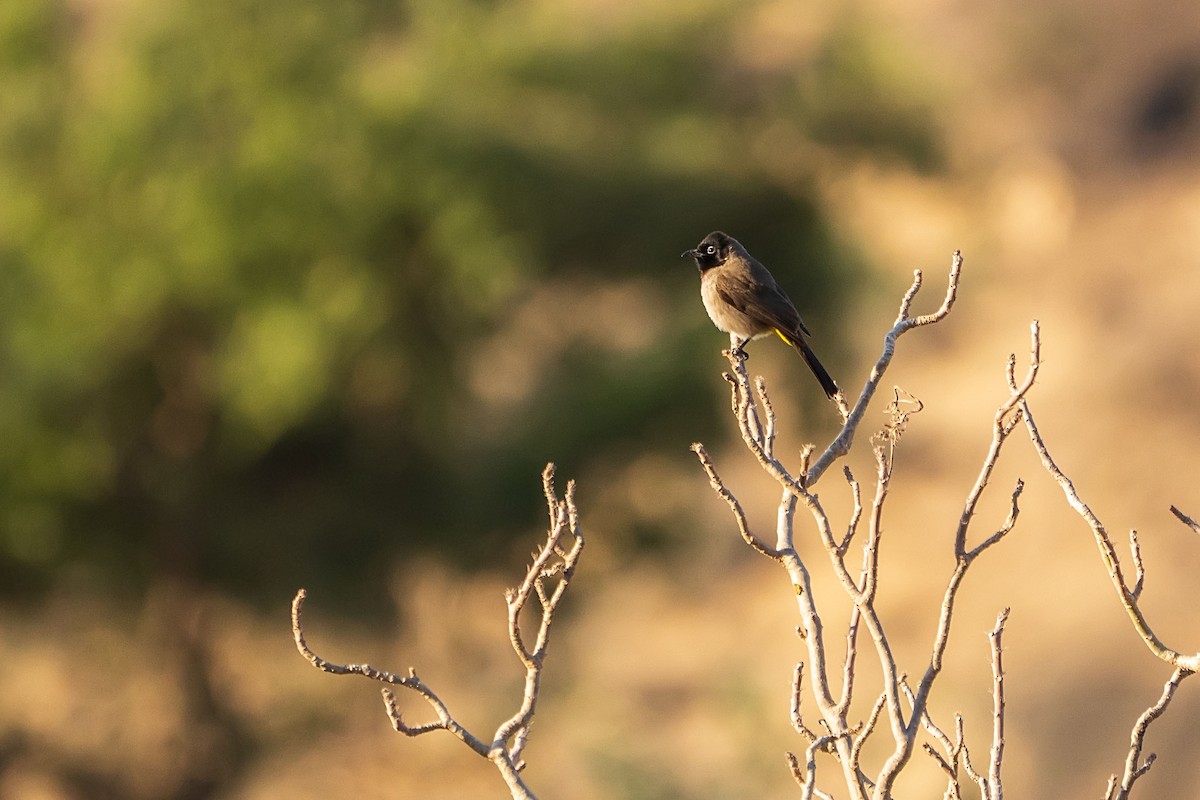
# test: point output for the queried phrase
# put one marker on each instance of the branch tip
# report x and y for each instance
(1185, 519)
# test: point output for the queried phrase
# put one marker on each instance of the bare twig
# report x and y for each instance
(738, 514)
(1139, 566)
(1002, 427)
(868, 727)
(855, 514)
(769, 412)
(1185, 519)
(944, 765)
(955, 750)
(926, 720)
(840, 446)
(848, 665)
(870, 570)
(795, 491)
(995, 788)
(1108, 554)
(980, 780)
(807, 786)
(1129, 595)
(797, 718)
(410, 681)
(806, 776)
(547, 579)
(1135, 767)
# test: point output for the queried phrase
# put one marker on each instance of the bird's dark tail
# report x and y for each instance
(810, 358)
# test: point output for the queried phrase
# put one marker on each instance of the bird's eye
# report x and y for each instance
(710, 249)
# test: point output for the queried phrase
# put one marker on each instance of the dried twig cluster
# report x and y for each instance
(901, 708)
(904, 706)
(546, 579)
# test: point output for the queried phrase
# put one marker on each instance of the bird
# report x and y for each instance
(743, 300)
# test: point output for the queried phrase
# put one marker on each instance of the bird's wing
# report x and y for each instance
(764, 302)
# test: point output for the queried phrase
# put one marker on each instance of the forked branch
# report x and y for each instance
(1184, 664)
(1126, 592)
(1135, 765)
(905, 322)
(1003, 424)
(956, 753)
(837, 733)
(547, 580)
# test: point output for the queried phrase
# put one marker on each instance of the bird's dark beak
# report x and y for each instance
(693, 253)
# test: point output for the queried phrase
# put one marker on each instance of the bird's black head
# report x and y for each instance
(712, 250)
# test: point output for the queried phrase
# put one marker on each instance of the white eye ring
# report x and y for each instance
(710, 249)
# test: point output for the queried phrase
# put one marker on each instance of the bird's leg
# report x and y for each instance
(739, 348)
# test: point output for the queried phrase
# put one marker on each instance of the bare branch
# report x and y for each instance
(1185, 519)
(1134, 769)
(926, 720)
(942, 763)
(909, 296)
(1009, 523)
(793, 491)
(757, 423)
(565, 518)
(1108, 554)
(769, 411)
(1139, 566)
(861, 591)
(547, 579)
(980, 780)
(746, 413)
(855, 514)
(996, 790)
(797, 718)
(518, 746)
(848, 670)
(870, 570)
(955, 751)
(806, 453)
(964, 558)
(840, 446)
(738, 514)
(797, 771)
(799, 775)
(1000, 433)
(409, 681)
(807, 777)
(741, 399)
(868, 728)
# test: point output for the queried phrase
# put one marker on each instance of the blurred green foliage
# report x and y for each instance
(250, 249)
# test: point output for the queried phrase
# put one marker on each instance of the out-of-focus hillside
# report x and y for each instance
(303, 295)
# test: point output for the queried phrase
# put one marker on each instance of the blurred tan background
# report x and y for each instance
(299, 294)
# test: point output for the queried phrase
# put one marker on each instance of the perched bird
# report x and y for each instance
(743, 300)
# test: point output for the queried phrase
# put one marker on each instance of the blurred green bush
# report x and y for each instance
(263, 263)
